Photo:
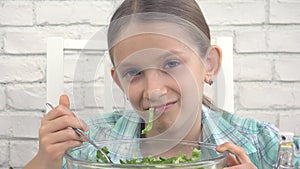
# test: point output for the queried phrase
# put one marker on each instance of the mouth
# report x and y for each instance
(164, 107)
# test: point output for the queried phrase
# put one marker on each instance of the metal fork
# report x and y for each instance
(81, 134)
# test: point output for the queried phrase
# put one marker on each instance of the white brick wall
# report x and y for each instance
(259, 95)
(75, 91)
(252, 67)
(267, 116)
(251, 12)
(287, 68)
(256, 37)
(266, 37)
(285, 12)
(86, 64)
(273, 40)
(26, 97)
(20, 124)
(24, 42)
(21, 69)
(4, 158)
(283, 40)
(16, 13)
(2, 98)
(290, 117)
(65, 13)
(27, 149)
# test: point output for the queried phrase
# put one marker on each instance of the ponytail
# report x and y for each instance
(208, 103)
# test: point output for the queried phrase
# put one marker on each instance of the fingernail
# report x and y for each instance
(82, 140)
(222, 149)
(85, 126)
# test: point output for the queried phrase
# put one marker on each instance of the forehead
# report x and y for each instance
(147, 43)
(143, 42)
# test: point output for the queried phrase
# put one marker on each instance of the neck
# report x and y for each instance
(194, 133)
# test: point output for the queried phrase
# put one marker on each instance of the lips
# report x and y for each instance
(162, 108)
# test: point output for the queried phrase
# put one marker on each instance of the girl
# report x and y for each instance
(162, 56)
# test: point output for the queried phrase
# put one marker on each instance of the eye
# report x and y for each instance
(131, 73)
(171, 64)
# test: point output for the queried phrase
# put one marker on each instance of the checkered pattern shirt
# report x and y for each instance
(259, 140)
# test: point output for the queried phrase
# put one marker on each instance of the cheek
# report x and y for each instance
(134, 94)
(191, 88)
(189, 80)
(199, 76)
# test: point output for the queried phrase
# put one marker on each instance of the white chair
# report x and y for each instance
(224, 86)
(56, 47)
(221, 92)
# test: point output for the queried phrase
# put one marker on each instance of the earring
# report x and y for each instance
(210, 81)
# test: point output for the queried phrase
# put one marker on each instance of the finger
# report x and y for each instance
(242, 166)
(59, 111)
(64, 100)
(236, 150)
(58, 137)
(63, 136)
(64, 122)
(232, 161)
(58, 150)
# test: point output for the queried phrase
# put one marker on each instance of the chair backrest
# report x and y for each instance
(221, 92)
(224, 88)
(56, 47)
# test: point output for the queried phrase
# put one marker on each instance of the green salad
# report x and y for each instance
(180, 158)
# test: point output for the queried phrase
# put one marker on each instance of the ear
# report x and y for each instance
(213, 63)
(115, 77)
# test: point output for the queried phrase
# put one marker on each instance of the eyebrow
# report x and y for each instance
(180, 53)
(170, 52)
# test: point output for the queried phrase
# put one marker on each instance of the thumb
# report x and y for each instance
(64, 100)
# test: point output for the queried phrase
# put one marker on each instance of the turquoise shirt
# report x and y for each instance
(258, 139)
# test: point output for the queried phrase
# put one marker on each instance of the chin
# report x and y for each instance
(164, 122)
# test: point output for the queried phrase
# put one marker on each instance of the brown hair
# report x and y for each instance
(187, 10)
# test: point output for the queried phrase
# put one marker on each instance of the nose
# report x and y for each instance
(155, 85)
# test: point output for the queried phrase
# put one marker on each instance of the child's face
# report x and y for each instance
(160, 72)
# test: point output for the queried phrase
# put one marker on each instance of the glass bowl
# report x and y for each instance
(84, 156)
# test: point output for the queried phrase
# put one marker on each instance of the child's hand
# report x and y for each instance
(55, 136)
(240, 160)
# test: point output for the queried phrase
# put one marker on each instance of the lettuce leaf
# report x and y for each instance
(181, 158)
